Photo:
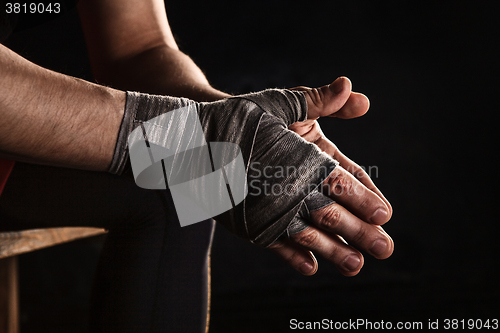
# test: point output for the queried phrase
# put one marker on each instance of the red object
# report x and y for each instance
(5, 169)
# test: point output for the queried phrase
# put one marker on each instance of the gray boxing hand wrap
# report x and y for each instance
(314, 201)
(282, 170)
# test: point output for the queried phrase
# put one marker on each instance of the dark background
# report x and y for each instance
(431, 74)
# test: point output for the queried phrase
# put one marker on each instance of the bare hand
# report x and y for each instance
(339, 231)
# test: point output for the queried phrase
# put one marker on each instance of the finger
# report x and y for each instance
(344, 188)
(311, 131)
(296, 257)
(356, 106)
(327, 100)
(359, 173)
(348, 260)
(363, 236)
(323, 102)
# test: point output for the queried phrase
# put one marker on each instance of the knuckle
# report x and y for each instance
(359, 235)
(316, 97)
(331, 218)
(294, 258)
(315, 133)
(365, 203)
(307, 238)
(334, 177)
(338, 183)
(312, 133)
(334, 254)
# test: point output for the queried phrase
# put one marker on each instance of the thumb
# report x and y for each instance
(334, 100)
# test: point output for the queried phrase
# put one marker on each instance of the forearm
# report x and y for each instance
(131, 47)
(160, 70)
(51, 118)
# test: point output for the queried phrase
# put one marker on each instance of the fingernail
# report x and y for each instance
(378, 247)
(306, 268)
(379, 217)
(338, 85)
(351, 263)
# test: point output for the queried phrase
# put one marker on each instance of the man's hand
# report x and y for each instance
(131, 47)
(360, 208)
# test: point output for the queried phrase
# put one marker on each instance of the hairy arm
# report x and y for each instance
(131, 47)
(51, 118)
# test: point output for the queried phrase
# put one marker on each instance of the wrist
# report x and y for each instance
(201, 93)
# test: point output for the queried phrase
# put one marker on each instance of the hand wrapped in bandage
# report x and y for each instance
(281, 170)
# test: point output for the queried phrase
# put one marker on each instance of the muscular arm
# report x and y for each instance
(131, 47)
(47, 117)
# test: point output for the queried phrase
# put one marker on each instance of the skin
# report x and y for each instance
(131, 47)
(50, 118)
(339, 231)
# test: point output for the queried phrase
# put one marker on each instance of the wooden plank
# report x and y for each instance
(9, 306)
(17, 242)
(13, 296)
(4, 303)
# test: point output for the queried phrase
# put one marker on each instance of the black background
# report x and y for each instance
(430, 71)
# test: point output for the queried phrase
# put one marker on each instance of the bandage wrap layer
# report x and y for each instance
(282, 170)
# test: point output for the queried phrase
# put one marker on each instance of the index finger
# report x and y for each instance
(353, 168)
